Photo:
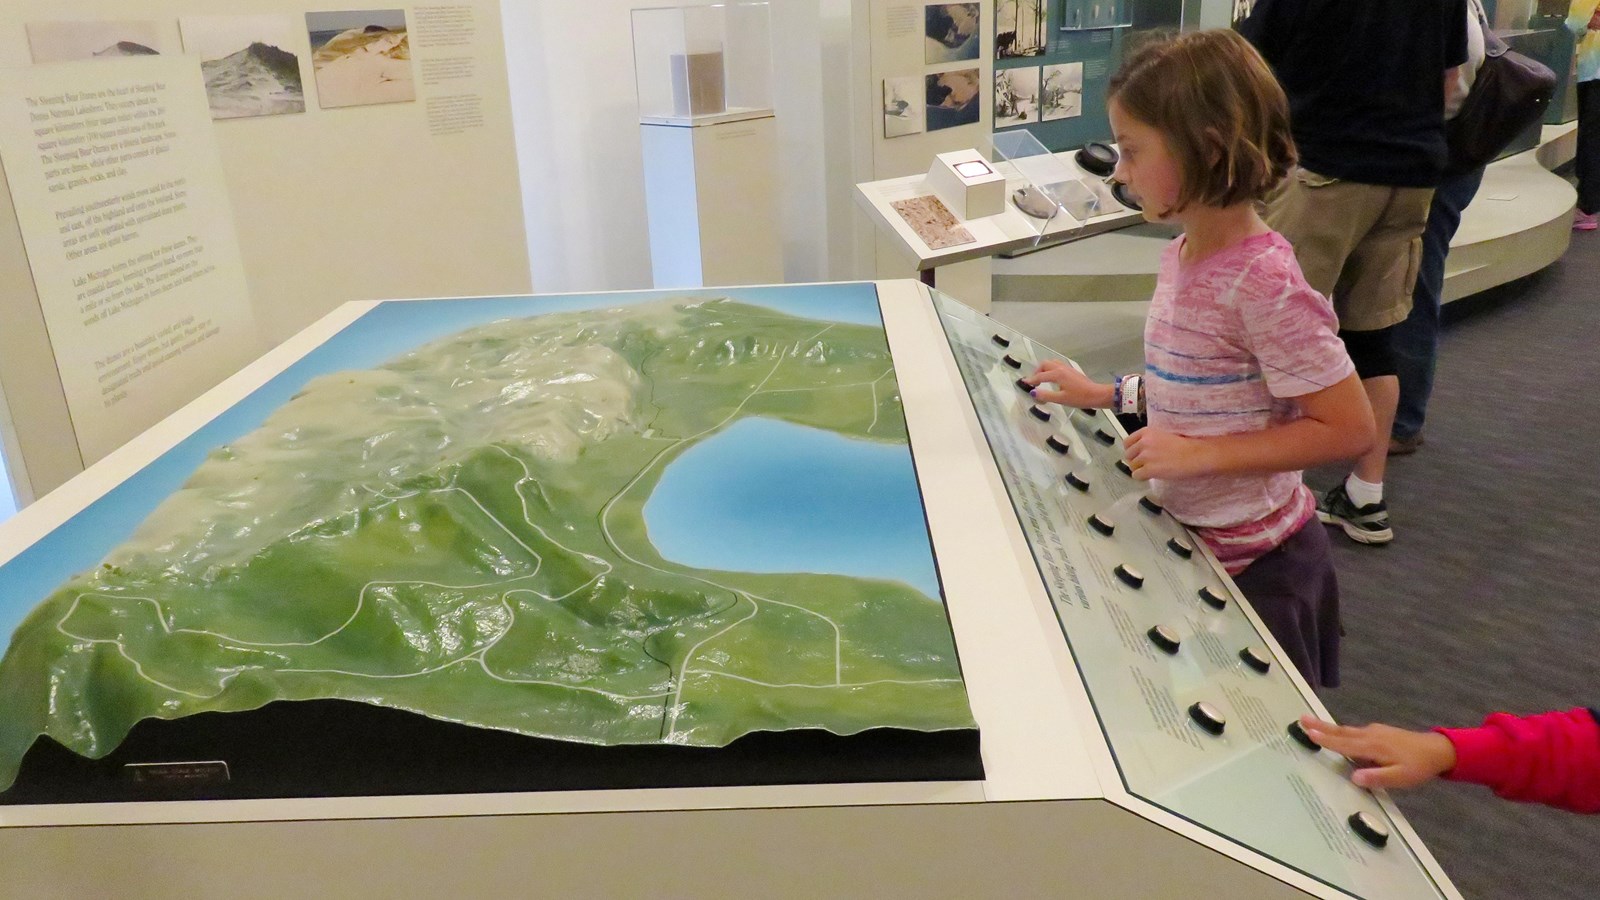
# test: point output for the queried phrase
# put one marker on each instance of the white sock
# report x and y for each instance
(1363, 493)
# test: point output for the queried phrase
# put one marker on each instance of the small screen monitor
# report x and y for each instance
(973, 168)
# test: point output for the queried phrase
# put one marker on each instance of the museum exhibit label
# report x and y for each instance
(124, 213)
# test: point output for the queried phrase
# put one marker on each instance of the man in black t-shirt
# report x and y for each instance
(1366, 84)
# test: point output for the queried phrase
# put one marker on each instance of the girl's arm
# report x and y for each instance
(1335, 424)
(1553, 758)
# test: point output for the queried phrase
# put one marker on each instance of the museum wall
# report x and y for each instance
(335, 204)
(578, 142)
(402, 198)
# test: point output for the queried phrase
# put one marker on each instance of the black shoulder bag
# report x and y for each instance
(1511, 92)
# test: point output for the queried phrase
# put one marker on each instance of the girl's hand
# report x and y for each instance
(1152, 453)
(1073, 388)
(1385, 756)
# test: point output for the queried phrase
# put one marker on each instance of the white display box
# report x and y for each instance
(967, 183)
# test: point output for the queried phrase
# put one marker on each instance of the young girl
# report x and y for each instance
(1245, 381)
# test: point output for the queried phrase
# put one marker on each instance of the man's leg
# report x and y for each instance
(1383, 393)
(1356, 505)
(1373, 296)
(1416, 340)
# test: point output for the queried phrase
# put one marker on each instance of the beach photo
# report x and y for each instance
(1016, 96)
(251, 64)
(50, 42)
(951, 32)
(361, 57)
(903, 111)
(1061, 96)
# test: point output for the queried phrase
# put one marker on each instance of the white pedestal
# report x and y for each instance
(712, 192)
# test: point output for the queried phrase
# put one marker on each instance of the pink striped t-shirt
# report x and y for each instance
(1230, 341)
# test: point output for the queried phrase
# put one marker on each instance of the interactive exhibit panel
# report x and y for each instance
(656, 540)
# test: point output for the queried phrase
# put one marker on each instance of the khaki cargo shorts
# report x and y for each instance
(1358, 244)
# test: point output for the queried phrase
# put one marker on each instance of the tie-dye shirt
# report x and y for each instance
(1578, 16)
(1230, 341)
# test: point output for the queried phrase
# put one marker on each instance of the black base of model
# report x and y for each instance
(338, 748)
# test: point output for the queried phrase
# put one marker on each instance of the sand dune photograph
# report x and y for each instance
(251, 64)
(361, 57)
(50, 42)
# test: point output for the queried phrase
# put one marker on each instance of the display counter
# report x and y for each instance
(1131, 712)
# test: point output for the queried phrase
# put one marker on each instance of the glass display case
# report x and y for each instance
(702, 62)
(1043, 186)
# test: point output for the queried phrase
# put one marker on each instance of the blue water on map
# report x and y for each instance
(768, 496)
(378, 336)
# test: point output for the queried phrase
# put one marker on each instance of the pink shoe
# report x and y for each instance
(1582, 221)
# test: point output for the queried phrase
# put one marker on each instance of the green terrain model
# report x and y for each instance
(459, 533)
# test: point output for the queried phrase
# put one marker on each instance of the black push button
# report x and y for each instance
(1130, 576)
(1001, 341)
(1181, 548)
(1256, 659)
(1369, 828)
(1040, 413)
(1150, 506)
(1163, 637)
(1058, 445)
(1078, 481)
(1124, 468)
(1207, 717)
(1011, 361)
(1024, 385)
(1104, 436)
(1104, 526)
(1301, 738)
(1213, 599)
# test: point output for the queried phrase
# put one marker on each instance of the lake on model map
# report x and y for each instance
(768, 496)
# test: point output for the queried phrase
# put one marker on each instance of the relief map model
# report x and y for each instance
(590, 525)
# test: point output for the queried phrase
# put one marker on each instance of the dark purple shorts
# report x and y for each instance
(1294, 591)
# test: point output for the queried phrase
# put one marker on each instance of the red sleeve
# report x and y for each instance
(1553, 758)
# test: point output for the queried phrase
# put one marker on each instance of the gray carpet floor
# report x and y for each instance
(1489, 597)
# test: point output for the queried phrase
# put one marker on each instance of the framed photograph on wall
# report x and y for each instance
(249, 64)
(1019, 28)
(953, 99)
(361, 57)
(1061, 94)
(952, 32)
(1016, 96)
(904, 106)
(50, 42)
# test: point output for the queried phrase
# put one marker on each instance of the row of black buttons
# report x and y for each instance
(1367, 826)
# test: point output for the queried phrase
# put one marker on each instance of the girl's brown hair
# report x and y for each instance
(1221, 110)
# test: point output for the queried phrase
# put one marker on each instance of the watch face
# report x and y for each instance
(973, 168)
